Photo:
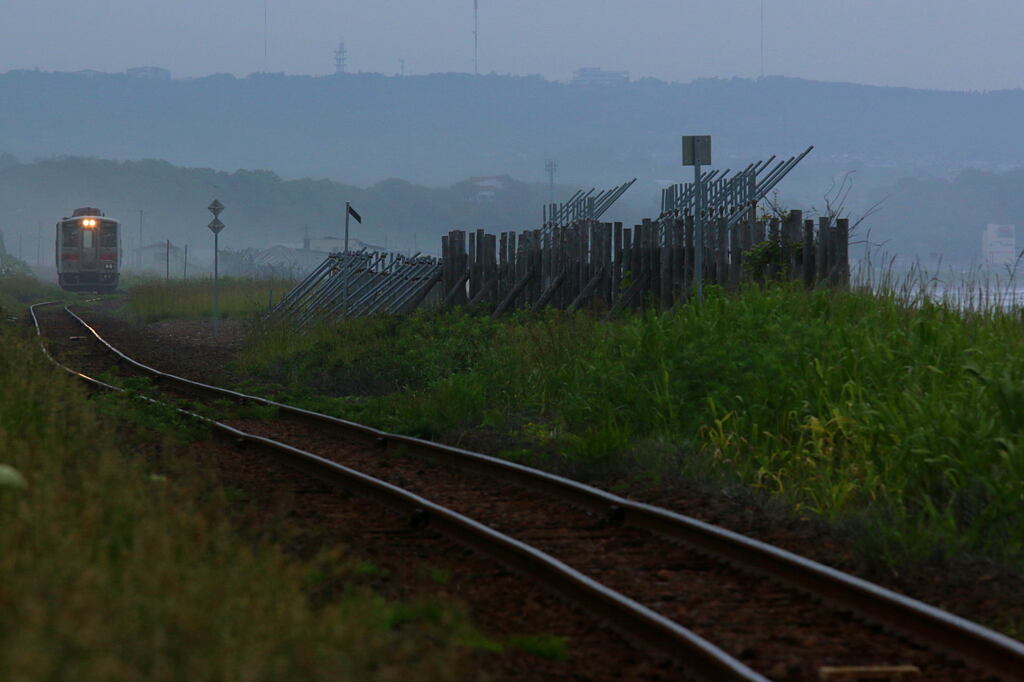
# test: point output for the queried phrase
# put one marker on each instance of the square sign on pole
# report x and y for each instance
(697, 153)
(696, 150)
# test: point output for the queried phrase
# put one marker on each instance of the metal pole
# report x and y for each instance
(216, 289)
(347, 275)
(139, 263)
(167, 262)
(184, 272)
(698, 236)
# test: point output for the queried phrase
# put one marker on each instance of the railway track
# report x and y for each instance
(673, 582)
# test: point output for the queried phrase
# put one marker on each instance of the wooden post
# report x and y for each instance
(490, 249)
(474, 278)
(446, 264)
(735, 257)
(616, 261)
(688, 254)
(794, 222)
(821, 252)
(842, 239)
(833, 254)
(785, 249)
(536, 284)
(808, 254)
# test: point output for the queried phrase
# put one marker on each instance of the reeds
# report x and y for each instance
(888, 404)
(150, 300)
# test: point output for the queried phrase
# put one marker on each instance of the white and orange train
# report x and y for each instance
(88, 251)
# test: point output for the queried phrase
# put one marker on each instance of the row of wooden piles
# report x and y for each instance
(607, 266)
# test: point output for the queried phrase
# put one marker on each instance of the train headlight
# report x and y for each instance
(108, 266)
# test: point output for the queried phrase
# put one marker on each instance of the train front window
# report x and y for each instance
(87, 238)
(108, 235)
(70, 234)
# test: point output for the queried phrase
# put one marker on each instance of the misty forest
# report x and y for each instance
(288, 151)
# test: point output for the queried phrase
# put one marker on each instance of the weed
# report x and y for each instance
(892, 407)
(544, 646)
(109, 573)
(150, 300)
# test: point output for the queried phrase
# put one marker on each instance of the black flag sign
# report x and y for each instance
(352, 212)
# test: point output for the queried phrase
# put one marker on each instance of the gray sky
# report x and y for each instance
(945, 44)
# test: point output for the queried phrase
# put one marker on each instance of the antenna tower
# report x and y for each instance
(476, 38)
(762, 38)
(339, 58)
(551, 167)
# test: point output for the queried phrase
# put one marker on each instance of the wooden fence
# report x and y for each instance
(607, 266)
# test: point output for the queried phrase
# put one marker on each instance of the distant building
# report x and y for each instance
(160, 257)
(999, 245)
(151, 72)
(594, 76)
(488, 185)
(89, 73)
(333, 244)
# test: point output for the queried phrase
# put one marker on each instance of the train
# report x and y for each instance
(88, 251)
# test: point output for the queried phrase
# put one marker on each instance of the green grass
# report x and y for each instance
(150, 300)
(19, 287)
(899, 413)
(111, 571)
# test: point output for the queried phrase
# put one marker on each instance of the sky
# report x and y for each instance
(939, 44)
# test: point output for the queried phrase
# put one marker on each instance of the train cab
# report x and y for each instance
(88, 251)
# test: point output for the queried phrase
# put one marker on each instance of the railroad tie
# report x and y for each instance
(892, 673)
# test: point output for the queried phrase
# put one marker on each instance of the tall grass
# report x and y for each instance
(19, 287)
(110, 573)
(150, 300)
(906, 413)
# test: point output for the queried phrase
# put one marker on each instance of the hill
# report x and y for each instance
(262, 208)
(438, 129)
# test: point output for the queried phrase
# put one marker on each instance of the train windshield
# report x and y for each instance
(108, 234)
(70, 234)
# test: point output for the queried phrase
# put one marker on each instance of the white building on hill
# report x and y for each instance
(999, 245)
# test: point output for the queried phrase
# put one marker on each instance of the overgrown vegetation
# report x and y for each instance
(904, 413)
(19, 287)
(110, 572)
(156, 299)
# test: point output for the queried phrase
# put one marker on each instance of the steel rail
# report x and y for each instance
(697, 655)
(943, 630)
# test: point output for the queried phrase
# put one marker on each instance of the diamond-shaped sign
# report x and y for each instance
(216, 225)
(215, 208)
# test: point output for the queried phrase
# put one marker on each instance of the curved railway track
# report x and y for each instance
(671, 581)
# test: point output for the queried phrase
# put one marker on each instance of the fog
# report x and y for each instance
(942, 44)
(931, 131)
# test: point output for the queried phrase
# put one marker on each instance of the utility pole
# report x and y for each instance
(167, 264)
(139, 252)
(476, 38)
(551, 167)
(402, 62)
